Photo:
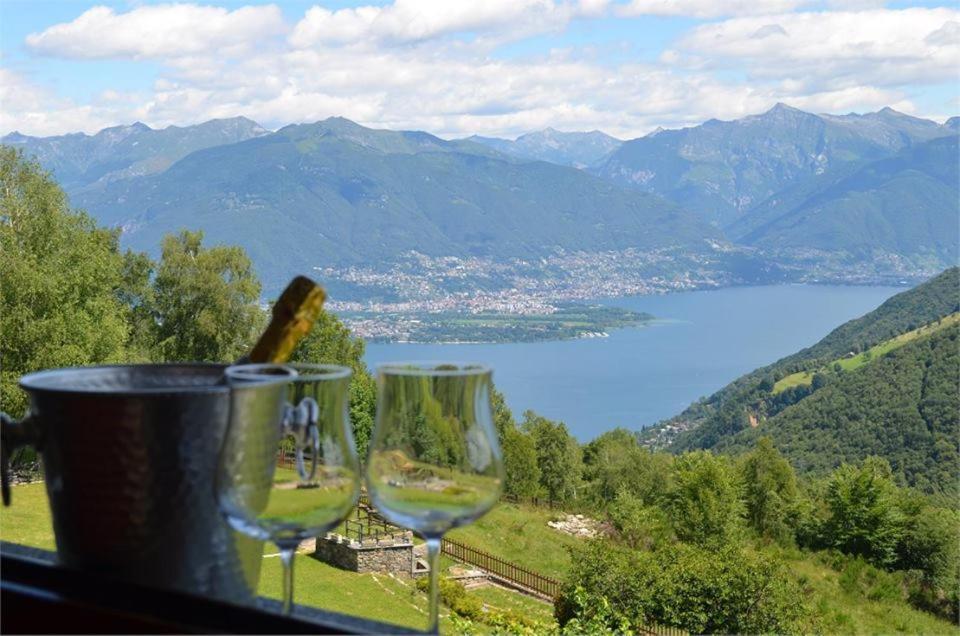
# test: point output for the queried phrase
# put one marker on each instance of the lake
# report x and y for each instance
(637, 377)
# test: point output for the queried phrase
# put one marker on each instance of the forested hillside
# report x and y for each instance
(839, 417)
(903, 407)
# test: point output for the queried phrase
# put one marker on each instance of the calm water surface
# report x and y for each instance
(639, 376)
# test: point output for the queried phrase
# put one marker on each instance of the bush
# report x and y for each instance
(700, 590)
(639, 526)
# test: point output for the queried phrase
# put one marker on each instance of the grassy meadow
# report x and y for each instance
(805, 378)
(848, 597)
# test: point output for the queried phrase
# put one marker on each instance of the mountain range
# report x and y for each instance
(722, 169)
(876, 192)
(577, 149)
(336, 193)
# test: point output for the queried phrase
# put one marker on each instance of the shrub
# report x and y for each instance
(722, 590)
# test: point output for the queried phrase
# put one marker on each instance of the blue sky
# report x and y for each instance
(496, 67)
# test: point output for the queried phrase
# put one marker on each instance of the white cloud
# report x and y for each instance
(32, 109)
(708, 8)
(407, 66)
(407, 21)
(158, 31)
(838, 49)
(729, 8)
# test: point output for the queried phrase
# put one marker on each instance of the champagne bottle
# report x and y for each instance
(294, 313)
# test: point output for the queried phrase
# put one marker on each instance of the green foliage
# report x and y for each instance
(703, 501)
(205, 301)
(639, 526)
(864, 517)
(558, 456)
(330, 342)
(724, 590)
(930, 545)
(471, 609)
(615, 461)
(137, 296)
(520, 462)
(769, 491)
(61, 279)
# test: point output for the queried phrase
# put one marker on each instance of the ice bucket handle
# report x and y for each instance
(301, 422)
(13, 435)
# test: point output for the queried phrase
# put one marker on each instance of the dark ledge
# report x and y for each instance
(39, 597)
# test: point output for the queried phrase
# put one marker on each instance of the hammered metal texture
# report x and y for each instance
(129, 456)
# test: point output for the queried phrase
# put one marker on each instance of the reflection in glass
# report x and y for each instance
(434, 461)
(293, 476)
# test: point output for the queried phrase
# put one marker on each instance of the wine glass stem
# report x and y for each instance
(433, 560)
(286, 558)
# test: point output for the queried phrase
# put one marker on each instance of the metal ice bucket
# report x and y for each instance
(129, 458)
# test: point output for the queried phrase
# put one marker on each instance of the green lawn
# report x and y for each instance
(520, 534)
(27, 520)
(805, 378)
(498, 598)
(374, 596)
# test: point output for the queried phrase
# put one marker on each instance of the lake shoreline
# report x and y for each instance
(700, 341)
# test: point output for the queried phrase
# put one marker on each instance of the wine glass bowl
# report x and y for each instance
(434, 461)
(288, 505)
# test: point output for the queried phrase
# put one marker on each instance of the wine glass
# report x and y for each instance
(434, 462)
(287, 505)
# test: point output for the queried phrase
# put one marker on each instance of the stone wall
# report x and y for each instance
(385, 556)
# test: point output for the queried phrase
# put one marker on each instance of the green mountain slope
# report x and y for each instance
(335, 193)
(78, 160)
(721, 169)
(908, 204)
(577, 149)
(904, 406)
(755, 400)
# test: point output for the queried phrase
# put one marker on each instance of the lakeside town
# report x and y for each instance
(421, 298)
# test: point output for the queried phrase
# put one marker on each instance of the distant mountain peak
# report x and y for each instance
(781, 110)
(576, 149)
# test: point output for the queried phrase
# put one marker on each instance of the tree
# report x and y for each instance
(60, 276)
(330, 342)
(929, 544)
(136, 294)
(502, 415)
(205, 301)
(769, 489)
(558, 456)
(615, 461)
(703, 501)
(520, 463)
(864, 517)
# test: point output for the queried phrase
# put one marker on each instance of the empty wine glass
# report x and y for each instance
(287, 505)
(434, 461)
